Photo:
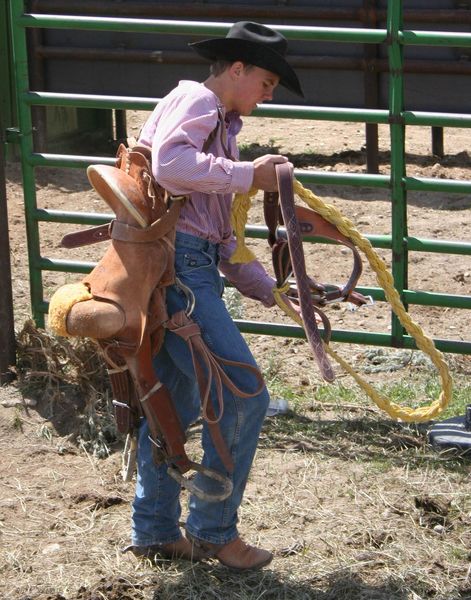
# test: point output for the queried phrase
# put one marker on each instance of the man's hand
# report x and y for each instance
(294, 304)
(264, 177)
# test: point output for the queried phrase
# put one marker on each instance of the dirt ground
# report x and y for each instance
(354, 505)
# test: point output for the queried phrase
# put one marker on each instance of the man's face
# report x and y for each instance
(254, 85)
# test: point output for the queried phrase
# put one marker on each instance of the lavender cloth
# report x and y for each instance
(177, 131)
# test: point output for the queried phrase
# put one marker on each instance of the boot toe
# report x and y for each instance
(237, 554)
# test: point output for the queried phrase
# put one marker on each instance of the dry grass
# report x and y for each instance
(50, 360)
(340, 529)
(69, 377)
(355, 507)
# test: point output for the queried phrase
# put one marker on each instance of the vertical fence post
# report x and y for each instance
(20, 61)
(7, 327)
(398, 168)
(371, 87)
(438, 148)
(7, 95)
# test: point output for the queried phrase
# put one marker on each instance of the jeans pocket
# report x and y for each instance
(189, 261)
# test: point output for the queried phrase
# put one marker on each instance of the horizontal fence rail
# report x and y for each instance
(398, 183)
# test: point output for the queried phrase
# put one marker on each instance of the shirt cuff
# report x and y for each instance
(266, 296)
(262, 291)
(242, 177)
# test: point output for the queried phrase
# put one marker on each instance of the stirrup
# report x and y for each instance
(191, 486)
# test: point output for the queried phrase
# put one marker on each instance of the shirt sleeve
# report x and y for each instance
(179, 163)
(251, 279)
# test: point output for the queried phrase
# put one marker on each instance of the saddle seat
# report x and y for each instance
(128, 282)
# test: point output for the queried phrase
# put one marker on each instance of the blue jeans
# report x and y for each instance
(156, 507)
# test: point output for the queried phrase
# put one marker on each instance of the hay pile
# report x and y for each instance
(67, 378)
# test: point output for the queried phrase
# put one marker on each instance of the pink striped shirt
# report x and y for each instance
(177, 131)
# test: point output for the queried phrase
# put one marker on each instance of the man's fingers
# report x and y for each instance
(278, 158)
(264, 171)
(271, 158)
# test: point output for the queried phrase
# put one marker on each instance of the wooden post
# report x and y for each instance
(7, 327)
(371, 88)
(438, 148)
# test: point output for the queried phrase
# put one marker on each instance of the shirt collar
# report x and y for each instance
(234, 122)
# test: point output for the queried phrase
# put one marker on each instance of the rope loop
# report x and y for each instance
(241, 206)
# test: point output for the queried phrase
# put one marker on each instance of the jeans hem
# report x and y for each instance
(220, 540)
(155, 541)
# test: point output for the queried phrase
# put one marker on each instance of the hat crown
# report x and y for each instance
(258, 34)
(253, 44)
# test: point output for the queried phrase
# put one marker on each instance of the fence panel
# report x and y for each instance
(398, 183)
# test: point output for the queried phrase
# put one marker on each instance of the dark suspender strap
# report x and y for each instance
(221, 127)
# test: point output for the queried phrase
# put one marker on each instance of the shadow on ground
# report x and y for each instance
(369, 439)
(206, 581)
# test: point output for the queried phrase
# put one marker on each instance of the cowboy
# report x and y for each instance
(192, 134)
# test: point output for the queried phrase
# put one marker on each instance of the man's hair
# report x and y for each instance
(221, 65)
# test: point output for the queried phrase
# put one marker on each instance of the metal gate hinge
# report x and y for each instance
(12, 135)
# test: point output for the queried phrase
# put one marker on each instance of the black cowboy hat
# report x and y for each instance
(254, 44)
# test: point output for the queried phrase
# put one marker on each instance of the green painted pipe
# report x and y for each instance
(261, 232)
(413, 297)
(334, 34)
(350, 337)
(398, 183)
(79, 218)
(435, 38)
(321, 113)
(195, 28)
(429, 184)
(88, 100)
(307, 177)
(37, 159)
(398, 167)
(436, 119)
(21, 76)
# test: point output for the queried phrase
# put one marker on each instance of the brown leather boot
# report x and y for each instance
(181, 549)
(236, 555)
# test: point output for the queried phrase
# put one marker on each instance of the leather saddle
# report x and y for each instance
(126, 314)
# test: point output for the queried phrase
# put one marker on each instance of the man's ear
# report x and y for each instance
(236, 69)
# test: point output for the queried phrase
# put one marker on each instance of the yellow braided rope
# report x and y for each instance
(239, 213)
(330, 213)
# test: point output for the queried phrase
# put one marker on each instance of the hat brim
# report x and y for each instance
(233, 49)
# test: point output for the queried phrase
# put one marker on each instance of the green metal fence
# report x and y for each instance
(398, 183)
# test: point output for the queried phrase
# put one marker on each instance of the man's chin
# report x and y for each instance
(248, 112)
